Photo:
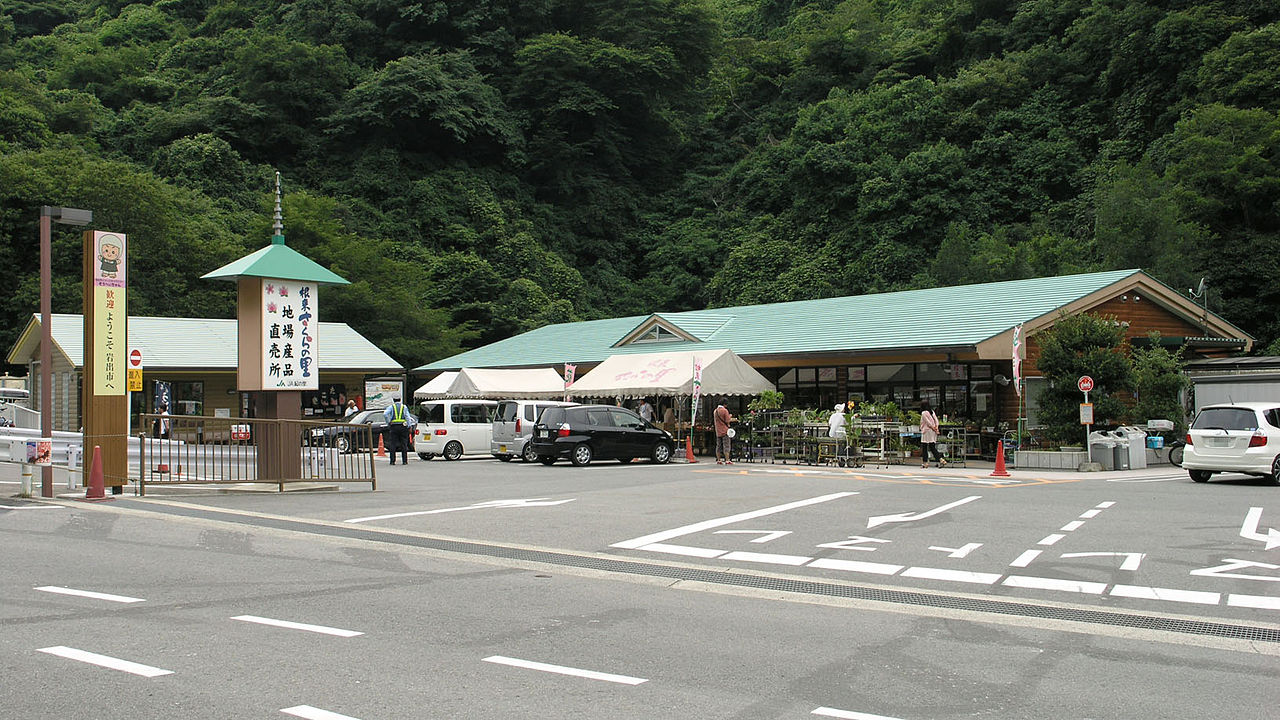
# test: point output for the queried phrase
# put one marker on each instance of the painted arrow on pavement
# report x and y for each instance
(907, 517)
(1249, 530)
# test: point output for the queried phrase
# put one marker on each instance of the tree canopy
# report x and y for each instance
(480, 168)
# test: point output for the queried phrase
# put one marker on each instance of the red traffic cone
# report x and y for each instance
(97, 485)
(382, 449)
(688, 450)
(1000, 471)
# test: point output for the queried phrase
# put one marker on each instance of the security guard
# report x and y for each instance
(397, 416)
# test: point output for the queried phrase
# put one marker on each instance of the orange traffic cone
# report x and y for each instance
(1000, 471)
(688, 450)
(97, 484)
(382, 450)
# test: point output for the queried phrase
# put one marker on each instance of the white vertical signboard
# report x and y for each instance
(289, 335)
(109, 283)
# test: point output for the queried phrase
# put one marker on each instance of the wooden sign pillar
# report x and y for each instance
(279, 448)
(103, 396)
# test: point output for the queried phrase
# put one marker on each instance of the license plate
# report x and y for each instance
(1218, 442)
(502, 448)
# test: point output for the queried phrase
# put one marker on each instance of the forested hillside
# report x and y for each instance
(480, 168)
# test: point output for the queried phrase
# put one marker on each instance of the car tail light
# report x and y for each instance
(517, 426)
(1258, 440)
(564, 430)
(441, 431)
(1189, 439)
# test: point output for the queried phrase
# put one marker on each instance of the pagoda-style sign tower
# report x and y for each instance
(278, 322)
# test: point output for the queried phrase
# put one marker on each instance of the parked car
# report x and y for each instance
(584, 433)
(513, 426)
(453, 428)
(345, 436)
(1237, 437)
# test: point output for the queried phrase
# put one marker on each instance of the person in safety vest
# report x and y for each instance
(398, 421)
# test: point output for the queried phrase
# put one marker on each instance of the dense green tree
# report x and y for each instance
(1158, 384)
(1075, 346)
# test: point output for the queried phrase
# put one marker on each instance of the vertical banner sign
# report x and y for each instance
(109, 282)
(1017, 359)
(697, 388)
(289, 335)
(569, 370)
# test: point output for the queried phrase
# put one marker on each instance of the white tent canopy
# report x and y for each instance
(437, 387)
(671, 374)
(537, 383)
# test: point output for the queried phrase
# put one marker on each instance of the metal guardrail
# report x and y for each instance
(201, 450)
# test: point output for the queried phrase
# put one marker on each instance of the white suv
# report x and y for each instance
(513, 426)
(453, 428)
(1239, 438)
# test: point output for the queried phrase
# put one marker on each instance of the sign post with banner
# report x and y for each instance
(105, 389)
(1085, 384)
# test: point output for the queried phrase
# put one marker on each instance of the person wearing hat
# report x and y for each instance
(397, 416)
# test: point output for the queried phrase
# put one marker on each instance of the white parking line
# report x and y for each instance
(297, 626)
(1254, 601)
(313, 713)
(31, 507)
(953, 575)
(684, 550)
(1051, 539)
(1025, 558)
(562, 670)
(1039, 583)
(89, 594)
(1154, 593)
(105, 661)
(850, 714)
(768, 558)
(856, 566)
(1073, 525)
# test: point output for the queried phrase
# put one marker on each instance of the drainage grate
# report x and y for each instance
(722, 577)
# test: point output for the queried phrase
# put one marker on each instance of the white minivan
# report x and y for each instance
(453, 428)
(513, 426)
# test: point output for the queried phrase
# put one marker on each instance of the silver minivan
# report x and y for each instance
(513, 426)
(453, 428)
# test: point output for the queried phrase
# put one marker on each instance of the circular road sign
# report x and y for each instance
(135, 358)
(1085, 383)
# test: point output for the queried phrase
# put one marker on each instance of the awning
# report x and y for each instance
(671, 374)
(436, 388)
(536, 384)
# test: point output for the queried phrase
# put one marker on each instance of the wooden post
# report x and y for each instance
(105, 413)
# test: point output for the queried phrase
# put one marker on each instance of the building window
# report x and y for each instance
(656, 334)
(188, 398)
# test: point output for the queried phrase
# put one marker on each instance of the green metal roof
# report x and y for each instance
(277, 260)
(947, 317)
(210, 343)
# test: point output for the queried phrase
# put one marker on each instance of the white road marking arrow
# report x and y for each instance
(906, 517)
(1233, 564)
(1249, 530)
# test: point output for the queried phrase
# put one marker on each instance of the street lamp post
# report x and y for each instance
(48, 215)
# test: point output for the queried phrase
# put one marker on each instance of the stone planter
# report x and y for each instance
(1049, 459)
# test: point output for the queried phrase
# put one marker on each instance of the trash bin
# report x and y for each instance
(1136, 440)
(1102, 449)
(1120, 446)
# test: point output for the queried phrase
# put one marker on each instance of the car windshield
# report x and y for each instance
(1226, 418)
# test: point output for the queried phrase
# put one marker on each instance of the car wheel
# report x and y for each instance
(1274, 477)
(1199, 475)
(342, 444)
(581, 455)
(453, 450)
(426, 456)
(529, 454)
(624, 461)
(547, 460)
(661, 453)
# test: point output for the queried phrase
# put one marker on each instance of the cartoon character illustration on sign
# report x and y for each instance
(109, 255)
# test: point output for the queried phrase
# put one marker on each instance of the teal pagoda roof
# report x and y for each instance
(277, 260)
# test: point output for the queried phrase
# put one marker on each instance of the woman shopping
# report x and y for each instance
(929, 436)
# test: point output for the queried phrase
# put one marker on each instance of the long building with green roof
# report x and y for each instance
(952, 346)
